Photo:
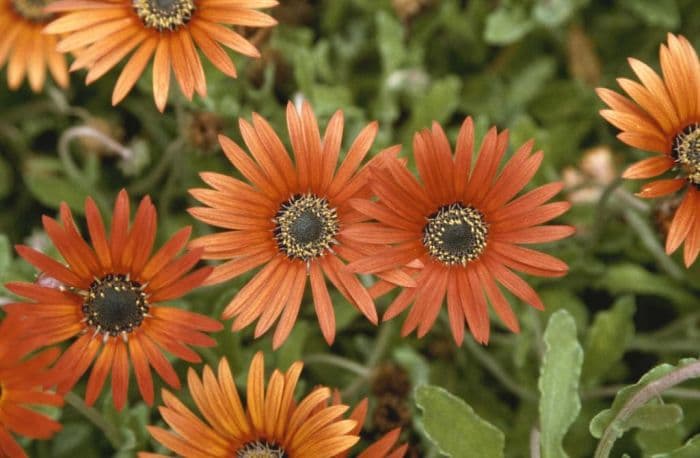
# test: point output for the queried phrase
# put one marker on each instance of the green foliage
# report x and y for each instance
(454, 426)
(652, 416)
(559, 380)
(529, 66)
(607, 339)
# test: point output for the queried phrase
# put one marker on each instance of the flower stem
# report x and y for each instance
(110, 432)
(492, 366)
(650, 391)
(338, 361)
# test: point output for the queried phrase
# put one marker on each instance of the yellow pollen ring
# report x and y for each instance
(164, 14)
(686, 150)
(455, 234)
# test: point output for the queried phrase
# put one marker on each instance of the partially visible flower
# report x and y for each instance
(25, 49)
(271, 425)
(391, 412)
(663, 117)
(390, 378)
(587, 182)
(110, 299)
(385, 447)
(171, 32)
(465, 229)
(20, 387)
(291, 219)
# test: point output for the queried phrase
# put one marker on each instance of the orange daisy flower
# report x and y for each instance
(664, 117)
(109, 300)
(271, 425)
(27, 50)
(20, 383)
(291, 220)
(465, 229)
(170, 31)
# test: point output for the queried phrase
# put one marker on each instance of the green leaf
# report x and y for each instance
(552, 13)
(43, 178)
(652, 442)
(690, 449)
(606, 417)
(655, 417)
(5, 255)
(507, 25)
(607, 339)
(72, 437)
(558, 383)
(437, 104)
(525, 86)
(390, 41)
(453, 426)
(418, 368)
(5, 177)
(293, 348)
(660, 13)
(632, 278)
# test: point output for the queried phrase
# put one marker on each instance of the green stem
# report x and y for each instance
(652, 390)
(492, 366)
(338, 361)
(651, 242)
(611, 391)
(651, 344)
(95, 417)
(157, 172)
(380, 345)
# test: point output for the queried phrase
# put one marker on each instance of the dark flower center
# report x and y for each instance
(455, 234)
(115, 305)
(261, 449)
(686, 152)
(32, 10)
(164, 14)
(305, 227)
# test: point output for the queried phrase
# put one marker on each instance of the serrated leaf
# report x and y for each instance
(607, 339)
(559, 379)
(654, 417)
(453, 426)
(661, 13)
(604, 418)
(507, 25)
(690, 449)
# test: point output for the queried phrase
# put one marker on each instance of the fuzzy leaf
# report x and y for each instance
(454, 427)
(559, 380)
(607, 339)
(604, 418)
(690, 449)
(655, 417)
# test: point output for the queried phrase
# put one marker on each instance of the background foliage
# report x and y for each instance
(526, 65)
